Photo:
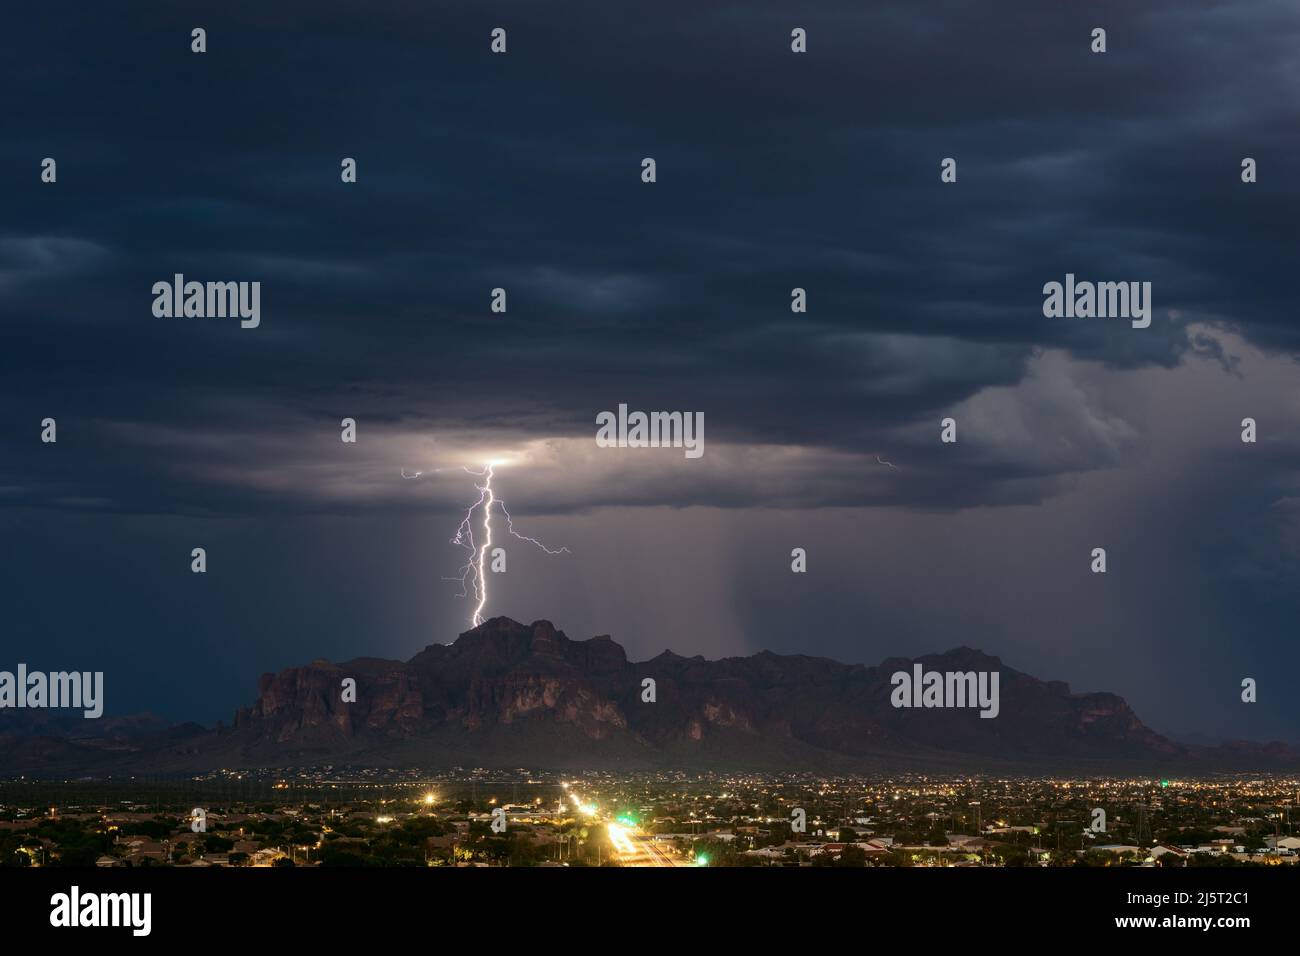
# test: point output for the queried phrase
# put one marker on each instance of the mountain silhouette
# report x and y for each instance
(507, 694)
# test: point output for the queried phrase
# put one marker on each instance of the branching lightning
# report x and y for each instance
(473, 575)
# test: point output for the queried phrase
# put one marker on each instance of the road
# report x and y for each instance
(632, 847)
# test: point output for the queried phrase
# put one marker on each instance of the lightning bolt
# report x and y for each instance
(473, 575)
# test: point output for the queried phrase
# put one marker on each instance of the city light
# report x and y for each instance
(618, 836)
(924, 822)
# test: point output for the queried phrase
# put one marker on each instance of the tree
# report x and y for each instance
(214, 843)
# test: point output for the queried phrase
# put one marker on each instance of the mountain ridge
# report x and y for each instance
(509, 694)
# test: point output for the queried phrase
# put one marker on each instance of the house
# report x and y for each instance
(268, 856)
(138, 849)
(829, 849)
(872, 848)
(1215, 846)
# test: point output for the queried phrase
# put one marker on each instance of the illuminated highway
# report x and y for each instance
(635, 848)
(632, 846)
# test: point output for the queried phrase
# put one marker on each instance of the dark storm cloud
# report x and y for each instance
(775, 171)
(522, 172)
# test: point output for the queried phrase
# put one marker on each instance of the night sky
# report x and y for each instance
(775, 170)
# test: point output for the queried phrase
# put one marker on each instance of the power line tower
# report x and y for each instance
(1142, 831)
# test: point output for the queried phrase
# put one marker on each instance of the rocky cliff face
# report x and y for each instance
(509, 695)
(505, 674)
